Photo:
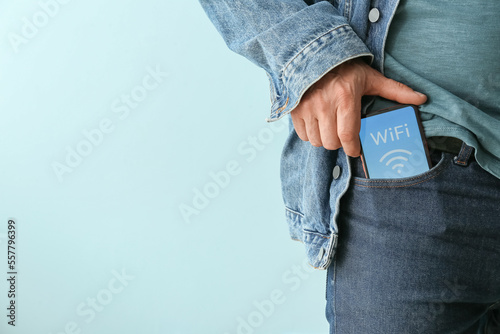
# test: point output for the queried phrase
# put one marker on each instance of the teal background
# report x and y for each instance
(104, 248)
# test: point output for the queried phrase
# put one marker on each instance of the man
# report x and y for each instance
(410, 255)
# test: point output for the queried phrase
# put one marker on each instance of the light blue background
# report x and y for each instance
(118, 211)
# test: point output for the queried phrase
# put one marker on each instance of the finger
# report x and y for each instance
(393, 90)
(313, 133)
(348, 126)
(299, 124)
(328, 130)
(300, 128)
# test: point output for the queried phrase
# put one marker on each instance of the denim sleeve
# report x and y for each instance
(295, 42)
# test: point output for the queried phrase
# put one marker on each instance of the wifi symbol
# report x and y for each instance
(397, 160)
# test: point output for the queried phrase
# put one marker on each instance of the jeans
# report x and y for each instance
(418, 255)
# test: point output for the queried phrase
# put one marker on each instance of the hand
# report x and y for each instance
(329, 113)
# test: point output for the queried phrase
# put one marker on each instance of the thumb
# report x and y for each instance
(394, 90)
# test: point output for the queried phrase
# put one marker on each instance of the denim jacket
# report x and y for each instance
(296, 42)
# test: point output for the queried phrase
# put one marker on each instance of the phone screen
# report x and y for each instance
(393, 144)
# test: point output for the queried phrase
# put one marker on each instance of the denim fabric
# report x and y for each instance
(413, 255)
(296, 42)
(304, 194)
(418, 255)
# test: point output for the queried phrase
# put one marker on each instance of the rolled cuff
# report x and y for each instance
(315, 60)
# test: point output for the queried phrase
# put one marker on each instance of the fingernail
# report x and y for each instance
(419, 94)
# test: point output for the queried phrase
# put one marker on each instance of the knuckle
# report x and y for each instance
(344, 100)
(323, 112)
(343, 93)
(400, 85)
(297, 112)
(397, 85)
(347, 136)
(332, 143)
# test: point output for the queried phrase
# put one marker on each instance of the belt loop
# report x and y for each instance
(464, 157)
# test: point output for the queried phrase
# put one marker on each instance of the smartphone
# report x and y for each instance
(393, 143)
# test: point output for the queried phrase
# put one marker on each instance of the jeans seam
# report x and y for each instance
(319, 234)
(488, 322)
(334, 297)
(462, 159)
(294, 212)
(373, 184)
(494, 306)
(400, 186)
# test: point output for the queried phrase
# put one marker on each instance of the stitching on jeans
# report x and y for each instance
(347, 10)
(494, 306)
(490, 309)
(281, 109)
(287, 74)
(465, 155)
(369, 183)
(334, 304)
(315, 233)
(294, 212)
(401, 186)
(436, 169)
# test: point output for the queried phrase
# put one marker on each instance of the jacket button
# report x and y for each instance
(336, 172)
(374, 15)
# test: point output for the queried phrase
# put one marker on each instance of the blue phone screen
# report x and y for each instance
(392, 144)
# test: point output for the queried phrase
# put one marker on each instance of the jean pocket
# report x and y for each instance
(440, 160)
